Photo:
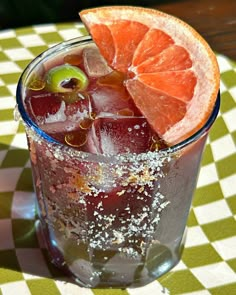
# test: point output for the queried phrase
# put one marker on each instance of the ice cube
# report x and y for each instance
(108, 100)
(60, 115)
(95, 65)
(78, 108)
(42, 105)
(115, 135)
(70, 133)
(58, 107)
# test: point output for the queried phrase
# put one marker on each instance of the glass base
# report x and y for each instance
(109, 268)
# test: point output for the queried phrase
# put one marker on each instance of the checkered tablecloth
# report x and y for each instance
(208, 264)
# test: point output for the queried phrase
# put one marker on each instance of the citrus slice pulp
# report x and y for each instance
(171, 72)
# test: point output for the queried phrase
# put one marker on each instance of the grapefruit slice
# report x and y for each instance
(171, 72)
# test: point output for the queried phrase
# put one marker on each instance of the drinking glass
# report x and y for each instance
(110, 220)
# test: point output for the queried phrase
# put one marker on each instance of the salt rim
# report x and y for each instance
(62, 149)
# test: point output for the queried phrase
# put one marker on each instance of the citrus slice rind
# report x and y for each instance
(172, 73)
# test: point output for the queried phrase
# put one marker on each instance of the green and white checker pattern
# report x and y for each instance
(208, 265)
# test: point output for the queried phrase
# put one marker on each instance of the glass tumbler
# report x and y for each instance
(110, 220)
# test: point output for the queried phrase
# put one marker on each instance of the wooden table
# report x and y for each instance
(215, 20)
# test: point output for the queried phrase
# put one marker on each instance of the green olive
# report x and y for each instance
(66, 78)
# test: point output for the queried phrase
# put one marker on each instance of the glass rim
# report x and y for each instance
(43, 135)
